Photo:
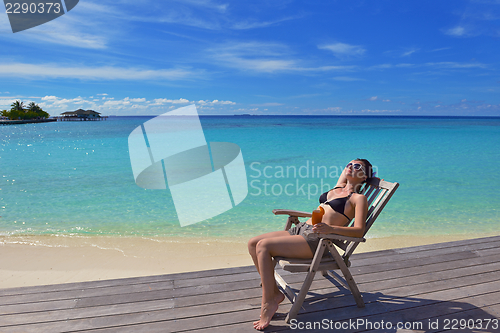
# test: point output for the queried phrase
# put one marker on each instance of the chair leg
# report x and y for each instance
(285, 287)
(292, 314)
(347, 276)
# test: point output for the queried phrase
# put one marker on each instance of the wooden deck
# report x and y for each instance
(74, 118)
(417, 286)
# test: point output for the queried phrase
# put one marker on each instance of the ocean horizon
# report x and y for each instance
(75, 178)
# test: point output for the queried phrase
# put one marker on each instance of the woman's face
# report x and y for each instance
(356, 169)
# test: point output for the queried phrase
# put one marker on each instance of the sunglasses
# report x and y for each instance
(356, 166)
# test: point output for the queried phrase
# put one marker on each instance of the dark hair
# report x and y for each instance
(368, 167)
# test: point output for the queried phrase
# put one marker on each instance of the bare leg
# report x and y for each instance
(290, 246)
(252, 244)
(252, 249)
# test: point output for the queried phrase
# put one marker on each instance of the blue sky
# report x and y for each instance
(259, 57)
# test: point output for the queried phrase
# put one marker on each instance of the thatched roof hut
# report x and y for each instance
(80, 113)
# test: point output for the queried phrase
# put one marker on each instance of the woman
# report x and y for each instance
(341, 205)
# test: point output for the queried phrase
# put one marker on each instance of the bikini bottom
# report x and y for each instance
(305, 230)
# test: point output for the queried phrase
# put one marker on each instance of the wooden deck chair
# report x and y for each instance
(378, 193)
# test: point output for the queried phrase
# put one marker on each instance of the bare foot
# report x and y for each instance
(267, 312)
(279, 297)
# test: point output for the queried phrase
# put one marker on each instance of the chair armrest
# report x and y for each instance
(343, 238)
(291, 213)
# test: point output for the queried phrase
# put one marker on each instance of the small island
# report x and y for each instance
(33, 113)
(20, 114)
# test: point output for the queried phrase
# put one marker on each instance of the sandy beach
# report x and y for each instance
(42, 260)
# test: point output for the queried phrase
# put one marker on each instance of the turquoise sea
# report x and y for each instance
(75, 178)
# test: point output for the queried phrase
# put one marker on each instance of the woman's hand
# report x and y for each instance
(322, 228)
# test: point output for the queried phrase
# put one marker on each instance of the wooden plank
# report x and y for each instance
(398, 268)
(482, 240)
(189, 312)
(84, 293)
(367, 265)
(420, 282)
(430, 247)
(212, 325)
(384, 274)
(433, 316)
(81, 313)
(127, 297)
(340, 301)
(255, 284)
(473, 313)
(113, 290)
(423, 282)
(125, 281)
(386, 307)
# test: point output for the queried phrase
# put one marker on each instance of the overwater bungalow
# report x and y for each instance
(81, 114)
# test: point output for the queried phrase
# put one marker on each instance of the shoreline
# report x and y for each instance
(43, 260)
(26, 121)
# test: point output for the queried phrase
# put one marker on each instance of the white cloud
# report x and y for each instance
(263, 58)
(439, 65)
(342, 50)
(408, 52)
(376, 98)
(381, 66)
(404, 65)
(55, 105)
(440, 49)
(451, 64)
(42, 71)
(88, 26)
(268, 104)
(215, 102)
(57, 102)
(115, 104)
(6, 103)
(402, 52)
(347, 79)
(243, 25)
(380, 111)
(264, 65)
(163, 101)
(254, 56)
(335, 109)
(456, 31)
(64, 36)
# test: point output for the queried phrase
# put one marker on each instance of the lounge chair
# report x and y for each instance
(378, 193)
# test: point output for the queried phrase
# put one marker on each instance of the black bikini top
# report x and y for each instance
(337, 204)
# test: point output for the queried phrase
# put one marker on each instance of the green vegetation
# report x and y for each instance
(19, 111)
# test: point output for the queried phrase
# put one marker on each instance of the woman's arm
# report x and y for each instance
(342, 180)
(357, 230)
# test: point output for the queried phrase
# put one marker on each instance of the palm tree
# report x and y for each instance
(17, 106)
(34, 107)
